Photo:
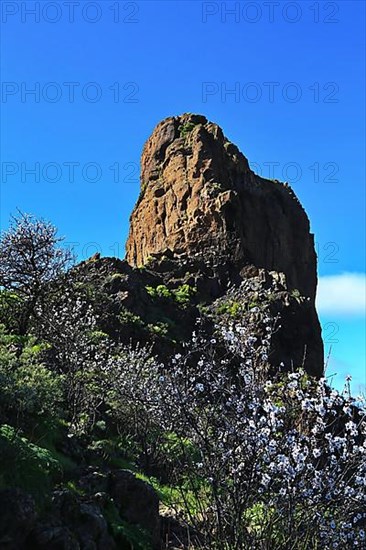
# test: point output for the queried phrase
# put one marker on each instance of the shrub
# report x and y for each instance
(231, 308)
(184, 293)
(185, 129)
(272, 467)
(161, 291)
(126, 317)
(29, 391)
(11, 308)
(181, 295)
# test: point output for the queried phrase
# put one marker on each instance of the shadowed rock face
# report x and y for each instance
(200, 198)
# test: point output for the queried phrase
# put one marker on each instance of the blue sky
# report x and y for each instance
(285, 80)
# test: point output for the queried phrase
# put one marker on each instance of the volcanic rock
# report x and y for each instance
(205, 219)
(199, 198)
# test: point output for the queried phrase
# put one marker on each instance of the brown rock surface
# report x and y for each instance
(199, 198)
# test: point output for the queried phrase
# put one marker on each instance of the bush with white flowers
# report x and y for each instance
(277, 463)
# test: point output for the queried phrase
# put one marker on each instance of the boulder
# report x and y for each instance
(73, 523)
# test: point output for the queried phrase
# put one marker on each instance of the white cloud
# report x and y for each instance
(343, 295)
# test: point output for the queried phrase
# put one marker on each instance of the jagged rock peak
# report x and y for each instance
(199, 198)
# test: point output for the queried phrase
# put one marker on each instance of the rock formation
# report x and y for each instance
(200, 198)
(204, 218)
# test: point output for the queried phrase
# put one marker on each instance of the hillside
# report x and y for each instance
(176, 398)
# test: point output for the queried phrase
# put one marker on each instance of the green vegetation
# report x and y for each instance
(185, 129)
(182, 295)
(159, 329)
(231, 453)
(161, 291)
(127, 536)
(231, 308)
(26, 465)
(181, 496)
(126, 317)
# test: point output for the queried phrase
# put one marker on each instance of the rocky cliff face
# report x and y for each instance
(199, 198)
(203, 218)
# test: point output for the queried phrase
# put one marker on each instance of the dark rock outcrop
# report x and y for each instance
(76, 521)
(72, 522)
(127, 311)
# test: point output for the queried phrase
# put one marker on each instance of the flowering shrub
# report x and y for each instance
(276, 464)
(256, 457)
(79, 351)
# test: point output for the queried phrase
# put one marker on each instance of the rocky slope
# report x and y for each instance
(209, 241)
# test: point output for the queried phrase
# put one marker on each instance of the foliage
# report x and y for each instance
(161, 291)
(79, 349)
(11, 308)
(26, 465)
(184, 293)
(185, 129)
(248, 458)
(29, 391)
(127, 536)
(232, 308)
(128, 318)
(180, 498)
(181, 295)
(118, 452)
(159, 329)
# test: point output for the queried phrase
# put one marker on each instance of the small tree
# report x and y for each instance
(30, 259)
(79, 351)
